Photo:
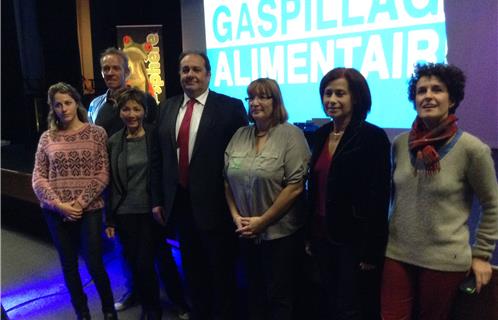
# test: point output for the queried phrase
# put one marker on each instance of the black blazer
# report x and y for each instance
(358, 188)
(221, 117)
(118, 170)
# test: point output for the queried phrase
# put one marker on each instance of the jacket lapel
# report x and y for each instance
(122, 170)
(120, 162)
(349, 134)
(172, 115)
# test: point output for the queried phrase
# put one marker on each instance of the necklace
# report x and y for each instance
(337, 133)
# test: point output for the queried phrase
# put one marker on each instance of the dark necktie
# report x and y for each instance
(182, 141)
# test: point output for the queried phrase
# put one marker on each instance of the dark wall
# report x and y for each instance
(59, 39)
(12, 92)
(472, 30)
(40, 47)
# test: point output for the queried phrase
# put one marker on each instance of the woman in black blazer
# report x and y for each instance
(129, 206)
(348, 196)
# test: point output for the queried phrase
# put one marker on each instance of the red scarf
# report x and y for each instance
(423, 142)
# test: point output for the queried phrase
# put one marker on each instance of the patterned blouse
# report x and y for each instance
(72, 166)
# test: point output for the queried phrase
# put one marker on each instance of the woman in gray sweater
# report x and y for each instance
(129, 208)
(438, 169)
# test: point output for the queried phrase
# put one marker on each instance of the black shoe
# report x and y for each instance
(126, 301)
(110, 316)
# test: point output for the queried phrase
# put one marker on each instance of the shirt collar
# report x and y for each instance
(107, 94)
(200, 99)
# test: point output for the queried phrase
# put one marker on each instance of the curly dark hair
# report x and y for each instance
(360, 92)
(452, 76)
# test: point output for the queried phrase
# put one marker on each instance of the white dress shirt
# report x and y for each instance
(194, 122)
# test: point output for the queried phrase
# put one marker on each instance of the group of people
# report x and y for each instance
(386, 228)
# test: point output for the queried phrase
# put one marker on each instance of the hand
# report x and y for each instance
(366, 266)
(159, 216)
(482, 271)
(251, 227)
(69, 210)
(110, 232)
(238, 222)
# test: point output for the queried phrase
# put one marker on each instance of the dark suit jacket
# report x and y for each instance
(357, 188)
(221, 117)
(118, 170)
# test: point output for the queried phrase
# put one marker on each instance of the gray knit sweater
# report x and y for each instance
(428, 216)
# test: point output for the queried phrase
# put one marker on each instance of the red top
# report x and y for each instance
(320, 177)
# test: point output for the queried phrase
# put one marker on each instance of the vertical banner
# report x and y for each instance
(143, 45)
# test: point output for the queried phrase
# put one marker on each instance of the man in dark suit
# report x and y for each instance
(187, 185)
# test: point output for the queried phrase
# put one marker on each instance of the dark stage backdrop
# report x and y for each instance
(40, 47)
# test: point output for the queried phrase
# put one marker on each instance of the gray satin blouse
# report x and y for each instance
(256, 180)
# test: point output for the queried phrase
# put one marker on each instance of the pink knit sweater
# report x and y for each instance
(70, 166)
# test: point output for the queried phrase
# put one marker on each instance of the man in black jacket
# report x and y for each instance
(192, 132)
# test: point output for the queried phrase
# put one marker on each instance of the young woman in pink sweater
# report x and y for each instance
(70, 173)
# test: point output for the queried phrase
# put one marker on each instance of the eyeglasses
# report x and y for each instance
(260, 98)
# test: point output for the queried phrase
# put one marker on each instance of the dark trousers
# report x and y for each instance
(83, 235)
(167, 270)
(208, 258)
(138, 237)
(169, 275)
(272, 276)
(347, 292)
(125, 270)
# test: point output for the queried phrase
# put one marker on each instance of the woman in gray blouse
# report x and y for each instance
(265, 168)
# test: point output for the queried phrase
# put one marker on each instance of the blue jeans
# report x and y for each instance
(83, 236)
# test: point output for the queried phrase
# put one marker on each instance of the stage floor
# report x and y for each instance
(33, 286)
